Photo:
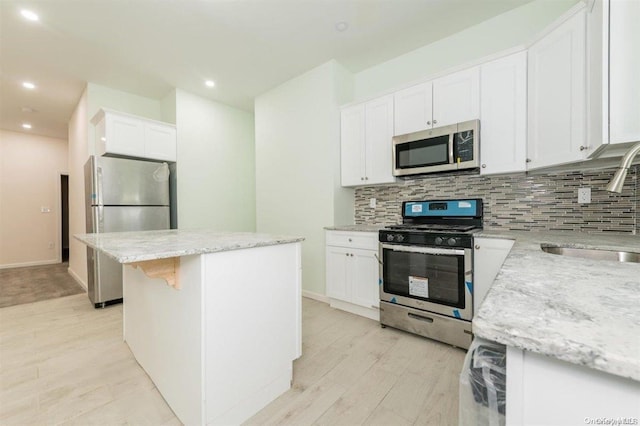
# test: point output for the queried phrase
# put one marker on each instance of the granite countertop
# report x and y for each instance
(127, 247)
(582, 311)
(356, 228)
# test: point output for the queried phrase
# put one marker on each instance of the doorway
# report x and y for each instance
(64, 217)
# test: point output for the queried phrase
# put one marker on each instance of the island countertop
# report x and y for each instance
(577, 310)
(128, 247)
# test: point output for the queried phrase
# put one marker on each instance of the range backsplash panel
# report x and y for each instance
(516, 201)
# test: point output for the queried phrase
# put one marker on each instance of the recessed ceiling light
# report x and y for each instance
(342, 26)
(28, 85)
(26, 126)
(29, 15)
(209, 83)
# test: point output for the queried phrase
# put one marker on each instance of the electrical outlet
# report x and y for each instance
(372, 203)
(45, 210)
(584, 195)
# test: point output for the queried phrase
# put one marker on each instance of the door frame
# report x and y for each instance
(58, 214)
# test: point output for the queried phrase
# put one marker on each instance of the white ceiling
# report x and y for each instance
(247, 46)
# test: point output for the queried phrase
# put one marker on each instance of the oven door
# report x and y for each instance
(428, 278)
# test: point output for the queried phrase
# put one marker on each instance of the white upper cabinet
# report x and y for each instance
(352, 140)
(413, 109)
(378, 135)
(365, 141)
(624, 70)
(503, 115)
(556, 96)
(456, 97)
(446, 100)
(127, 135)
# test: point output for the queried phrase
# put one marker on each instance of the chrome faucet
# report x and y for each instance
(617, 181)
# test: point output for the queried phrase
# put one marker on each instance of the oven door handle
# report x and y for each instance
(423, 250)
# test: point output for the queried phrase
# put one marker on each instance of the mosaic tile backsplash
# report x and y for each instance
(517, 201)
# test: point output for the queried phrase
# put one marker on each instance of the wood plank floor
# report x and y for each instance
(63, 362)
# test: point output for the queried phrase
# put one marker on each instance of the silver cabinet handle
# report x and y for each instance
(477, 247)
(484, 166)
(429, 123)
(350, 240)
(582, 148)
(435, 121)
(528, 160)
(378, 259)
(361, 178)
(366, 178)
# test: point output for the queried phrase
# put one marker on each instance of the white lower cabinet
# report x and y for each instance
(542, 390)
(352, 272)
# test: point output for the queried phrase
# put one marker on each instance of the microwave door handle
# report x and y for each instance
(451, 138)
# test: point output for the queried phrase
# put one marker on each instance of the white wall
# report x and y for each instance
(504, 31)
(30, 169)
(81, 145)
(297, 163)
(216, 165)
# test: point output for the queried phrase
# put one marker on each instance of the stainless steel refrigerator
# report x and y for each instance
(121, 195)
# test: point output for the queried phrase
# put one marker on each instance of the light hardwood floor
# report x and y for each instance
(63, 362)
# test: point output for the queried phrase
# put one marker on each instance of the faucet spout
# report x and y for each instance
(617, 181)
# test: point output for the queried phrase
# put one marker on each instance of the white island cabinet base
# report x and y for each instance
(220, 348)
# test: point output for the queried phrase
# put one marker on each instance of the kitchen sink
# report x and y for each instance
(593, 254)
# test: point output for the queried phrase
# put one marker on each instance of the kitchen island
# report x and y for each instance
(571, 327)
(214, 318)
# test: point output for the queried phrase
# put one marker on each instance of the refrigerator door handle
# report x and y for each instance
(100, 227)
(98, 190)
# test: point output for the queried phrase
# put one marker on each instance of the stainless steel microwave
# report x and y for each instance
(452, 147)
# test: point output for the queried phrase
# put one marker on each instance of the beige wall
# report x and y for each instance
(30, 168)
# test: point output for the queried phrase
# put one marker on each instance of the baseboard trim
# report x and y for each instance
(77, 278)
(35, 263)
(315, 296)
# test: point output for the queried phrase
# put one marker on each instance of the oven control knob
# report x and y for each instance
(439, 240)
(400, 237)
(452, 241)
(389, 237)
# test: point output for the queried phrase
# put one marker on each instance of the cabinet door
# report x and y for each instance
(352, 140)
(412, 109)
(365, 273)
(124, 135)
(456, 97)
(338, 273)
(160, 142)
(556, 98)
(488, 256)
(624, 71)
(503, 115)
(378, 134)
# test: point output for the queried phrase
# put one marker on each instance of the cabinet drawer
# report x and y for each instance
(361, 240)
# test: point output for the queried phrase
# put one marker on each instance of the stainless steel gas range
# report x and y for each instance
(426, 268)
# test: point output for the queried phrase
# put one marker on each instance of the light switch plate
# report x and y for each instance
(372, 203)
(584, 195)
